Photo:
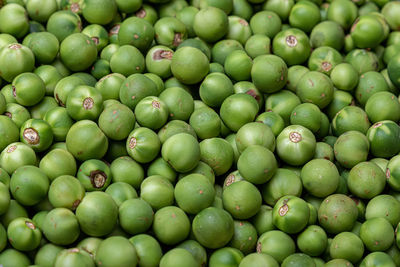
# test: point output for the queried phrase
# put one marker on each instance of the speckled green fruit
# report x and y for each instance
(171, 225)
(157, 191)
(61, 227)
(117, 121)
(135, 216)
(277, 244)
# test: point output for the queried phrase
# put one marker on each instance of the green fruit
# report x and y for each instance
(125, 169)
(120, 61)
(377, 258)
(9, 131)
(315, 87)
(312, 241)
(381, 136)
(135, 216)
(117, 121)
(225, 257)
(66, 192)
(58, 162)
(298, 259)
(384, 206)
(78, 52)
(351, 148)
(99, 11)
(116, 251)
(157, 191)
(217, 153)
(210, 24)
(348, 246)
(258, 260)
(61, 227)
(46, 255)
(147, 249)
(178, 257)
(277, 73)
(377, 234)
(143, 145)
(120, 192)
(277, 244)
(94, 175)
(74, 256)
(23, 234)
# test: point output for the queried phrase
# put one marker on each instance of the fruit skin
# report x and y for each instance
(97, 214)
(23, 234)
(178, 257)
(74, 256)
(78, 52)
(226, 256)
(377, 258)
(94, 175)
(61, 226)
(116, 251)
(148, 249)
(66, 192)
(58, 162)
(377, 234)
(135, 216)
(347, 245)
(312, 241)
(277, 244)
(9, 132)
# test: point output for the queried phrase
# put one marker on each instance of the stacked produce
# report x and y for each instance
(221, 133)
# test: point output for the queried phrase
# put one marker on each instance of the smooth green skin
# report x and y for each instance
(210, 24)
(4, 199)
(231, 178)
(115, 150)
(125, 169)
(99, 11)
(14, 60)
(249, 88)
(382, 136)
(312, 241)
(393, 252)
(223, 48)
(135, 88)
(86, 77)
(298, 259)
(205, 122)
(84, 103)
(197, 250)
(237, 110)
(231, 138)
(389, 11)
(19, 114)
(324, 59)
(203, 169)
(324, 151)
(66, 192)
(366, 180)
(61, 227)
(44, 45)
(382, 106)
(258, 260)
(215, 88)
(178, 257)
(6, 39)
(194, 193)
(282, 103)
(266, 23)
(16, 155)
(28, 89)
(384, 206)
(14, 211)
(58, 162)
(217, 153)
(241, 199)
(304, 15)
(189, 65)
(288, 145)
(39, 110)
(292, 45)
(9, 131)
(116, 250)
(284, 182)
(90, 245)
(255, 133)
(344, 77)
(181, 151)
(121, 191)
(393, 68)
(327, 33)
(343, 12)
(171, 225)
(121, 61)
(262, 221)
(46, 255)
(37, 134)
(282, 8)
(100, 68)
(158, 61)
(7, 92)
(135, 216)
(277, 73)
(179, 102)
(277, 244)
(369, 83)
(78, 52)
(4, 177)
(174, 127)
(315, 87)
(50, 76)
(257, 45)
(94, 175)
(160, 167)
(98, 34)
(97, 214)
(157, 191)
(85, 140)
(377, 258)
(137, 32)
(348, 246)
(367, 32)
(170, 31)
(29, 185)
(59, 121)
(307, 115)
(362, 60)
(242, 9)
(64, 87)
(392, 172)
(337, 213)
(75, 257)
(213, 227)
(320, 177)
(350, 118)
(151, 112)
(295, 73)
(12, 256)
(3, 103)
(245, 237)
(290, 214)
(377, 234)
(23, 234)
(14, 20)
(225, 257)
(238, 29)
(147, 249)
(186, 15)
(109, 86)
(199, 44)
(117, 121)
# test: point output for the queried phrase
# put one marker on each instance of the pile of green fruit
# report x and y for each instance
(221, 133)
